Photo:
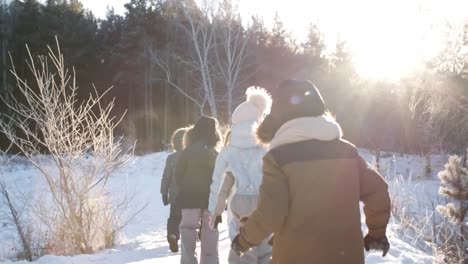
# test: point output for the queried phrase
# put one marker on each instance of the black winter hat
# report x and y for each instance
(291, 99)
(297, 98)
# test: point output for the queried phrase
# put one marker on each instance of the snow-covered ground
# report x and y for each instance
(144, 240)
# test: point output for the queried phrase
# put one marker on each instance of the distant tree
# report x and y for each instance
(279, 59)
(193, 24)
(314, 46)
(5, 38)
(216, 55)
(316, 64)
(234, 60)
(141, 35)
(25, 21)
(280, 37)
(440, 95)
(109, 36)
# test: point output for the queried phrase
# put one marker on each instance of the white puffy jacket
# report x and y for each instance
(243, 157)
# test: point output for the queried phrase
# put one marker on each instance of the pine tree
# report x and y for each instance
(315, 42)
(454, 185)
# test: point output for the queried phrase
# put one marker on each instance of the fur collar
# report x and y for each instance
(323, 128)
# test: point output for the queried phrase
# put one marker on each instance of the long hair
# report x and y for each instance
(187, 140)
(177, 139)
(205, 131)
(227, 138)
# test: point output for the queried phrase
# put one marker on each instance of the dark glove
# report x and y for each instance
(218, 220)
(165, 199)
(237, 248)
(371, 243)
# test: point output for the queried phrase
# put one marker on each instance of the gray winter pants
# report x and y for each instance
(192, 219)
(173, 221)
(244, 205)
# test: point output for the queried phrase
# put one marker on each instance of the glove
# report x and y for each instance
(218, 220)
(371, 243)
(165, 199)
(214, 221)
(237, 248)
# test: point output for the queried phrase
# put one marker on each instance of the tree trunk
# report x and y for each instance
(3, 90)
(165, 115)
(150, 98)
(187, 109)
(428, 167)
(464, 154)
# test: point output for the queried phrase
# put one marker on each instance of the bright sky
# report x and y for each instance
(388, 38)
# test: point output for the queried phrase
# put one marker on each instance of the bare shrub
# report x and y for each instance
(77, 215)
(14, 212)
(415, 227)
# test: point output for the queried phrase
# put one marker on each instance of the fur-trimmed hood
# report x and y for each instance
(323, 128)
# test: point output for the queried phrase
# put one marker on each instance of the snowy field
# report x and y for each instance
(144, 240)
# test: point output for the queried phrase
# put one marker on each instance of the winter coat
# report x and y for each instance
(309, 198)
(243, 158)
(168, 185)
(193, 175)
(224, 194)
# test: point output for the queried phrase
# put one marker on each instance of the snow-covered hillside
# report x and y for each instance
(144, 240)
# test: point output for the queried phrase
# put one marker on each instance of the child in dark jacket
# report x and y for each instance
(169, 190)
(193, 174)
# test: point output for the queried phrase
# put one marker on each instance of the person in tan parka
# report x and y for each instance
(313, 181)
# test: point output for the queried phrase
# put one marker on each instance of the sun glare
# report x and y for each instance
(388, 43)
(392, 40)
(387, 39)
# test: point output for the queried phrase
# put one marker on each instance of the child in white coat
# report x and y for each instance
(238, 172)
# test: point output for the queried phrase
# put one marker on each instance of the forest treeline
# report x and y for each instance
(171, 61)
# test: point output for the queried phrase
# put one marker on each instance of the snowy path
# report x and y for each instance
(144, 241)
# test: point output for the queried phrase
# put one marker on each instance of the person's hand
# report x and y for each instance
(218, 220)
(165, 199)
(237, 248)
(371, 243)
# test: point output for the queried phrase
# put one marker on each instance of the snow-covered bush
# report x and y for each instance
(414, 203)
(75, 210)
(414, 226)
(454, 185)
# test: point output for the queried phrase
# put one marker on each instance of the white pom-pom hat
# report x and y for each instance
(257, 105)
